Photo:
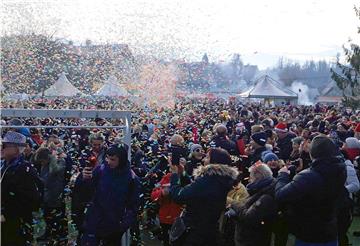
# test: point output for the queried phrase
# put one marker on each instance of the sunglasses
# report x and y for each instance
(198, 150)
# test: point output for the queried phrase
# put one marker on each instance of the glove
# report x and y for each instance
(230, 213)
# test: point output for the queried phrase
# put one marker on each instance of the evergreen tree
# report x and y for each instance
(348, 80)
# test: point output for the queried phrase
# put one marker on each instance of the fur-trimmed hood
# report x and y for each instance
(216, 169)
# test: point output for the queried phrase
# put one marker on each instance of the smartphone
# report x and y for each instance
(91, 162)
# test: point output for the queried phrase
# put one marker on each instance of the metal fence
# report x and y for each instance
(79, 114)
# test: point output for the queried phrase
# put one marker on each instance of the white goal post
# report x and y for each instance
(72, 113)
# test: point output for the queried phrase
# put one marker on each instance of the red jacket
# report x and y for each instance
(169, 210)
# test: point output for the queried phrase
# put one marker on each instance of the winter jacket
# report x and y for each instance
(53, 177)
(205, 199)
(312, 199)
(20, 189)
(169, 210)
(285, 146)
(115, 202)
(225, 143)
(352, 182)
(255, 217)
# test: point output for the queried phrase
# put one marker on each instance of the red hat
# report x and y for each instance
(357, 128)
(281, 127)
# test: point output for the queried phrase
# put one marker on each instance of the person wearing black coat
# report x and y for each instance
(255, 216)
(221, 140)
(257, 142)
(20, 192)
(312, 198)
(195, 158)
(205, 199)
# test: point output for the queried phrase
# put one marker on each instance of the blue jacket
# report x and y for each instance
(115, 202)
(312, 199)
(205, 199)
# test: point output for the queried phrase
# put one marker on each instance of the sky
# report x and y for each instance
(260, 30)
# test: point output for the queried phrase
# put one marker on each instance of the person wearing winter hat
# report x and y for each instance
(115, 203)
(352, 148)
(257, 143)
(272, 160)
(20, 191)
(312, 197)
(284, 140)
(195, 158)
(205, 198)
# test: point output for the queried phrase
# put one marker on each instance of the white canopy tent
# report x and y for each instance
(266, 87)
(62, 87)
(112, 88)
(271, 91)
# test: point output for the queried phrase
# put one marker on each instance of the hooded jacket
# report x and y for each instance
(205, 199)
(254, 217)
(115, 202)
(312, 199)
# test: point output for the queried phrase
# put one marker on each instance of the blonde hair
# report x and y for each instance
(260, 171)
(257, 128)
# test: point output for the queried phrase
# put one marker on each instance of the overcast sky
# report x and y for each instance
(260, 30)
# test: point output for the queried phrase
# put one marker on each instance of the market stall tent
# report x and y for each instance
(271, 91)
(112, 88)
(62, 87)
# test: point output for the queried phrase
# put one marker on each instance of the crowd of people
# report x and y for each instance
(207, 172)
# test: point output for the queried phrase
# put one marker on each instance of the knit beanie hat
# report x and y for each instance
(270, 157)
(352, 143)
(323, 147)
(259, 138)
(195, 147)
